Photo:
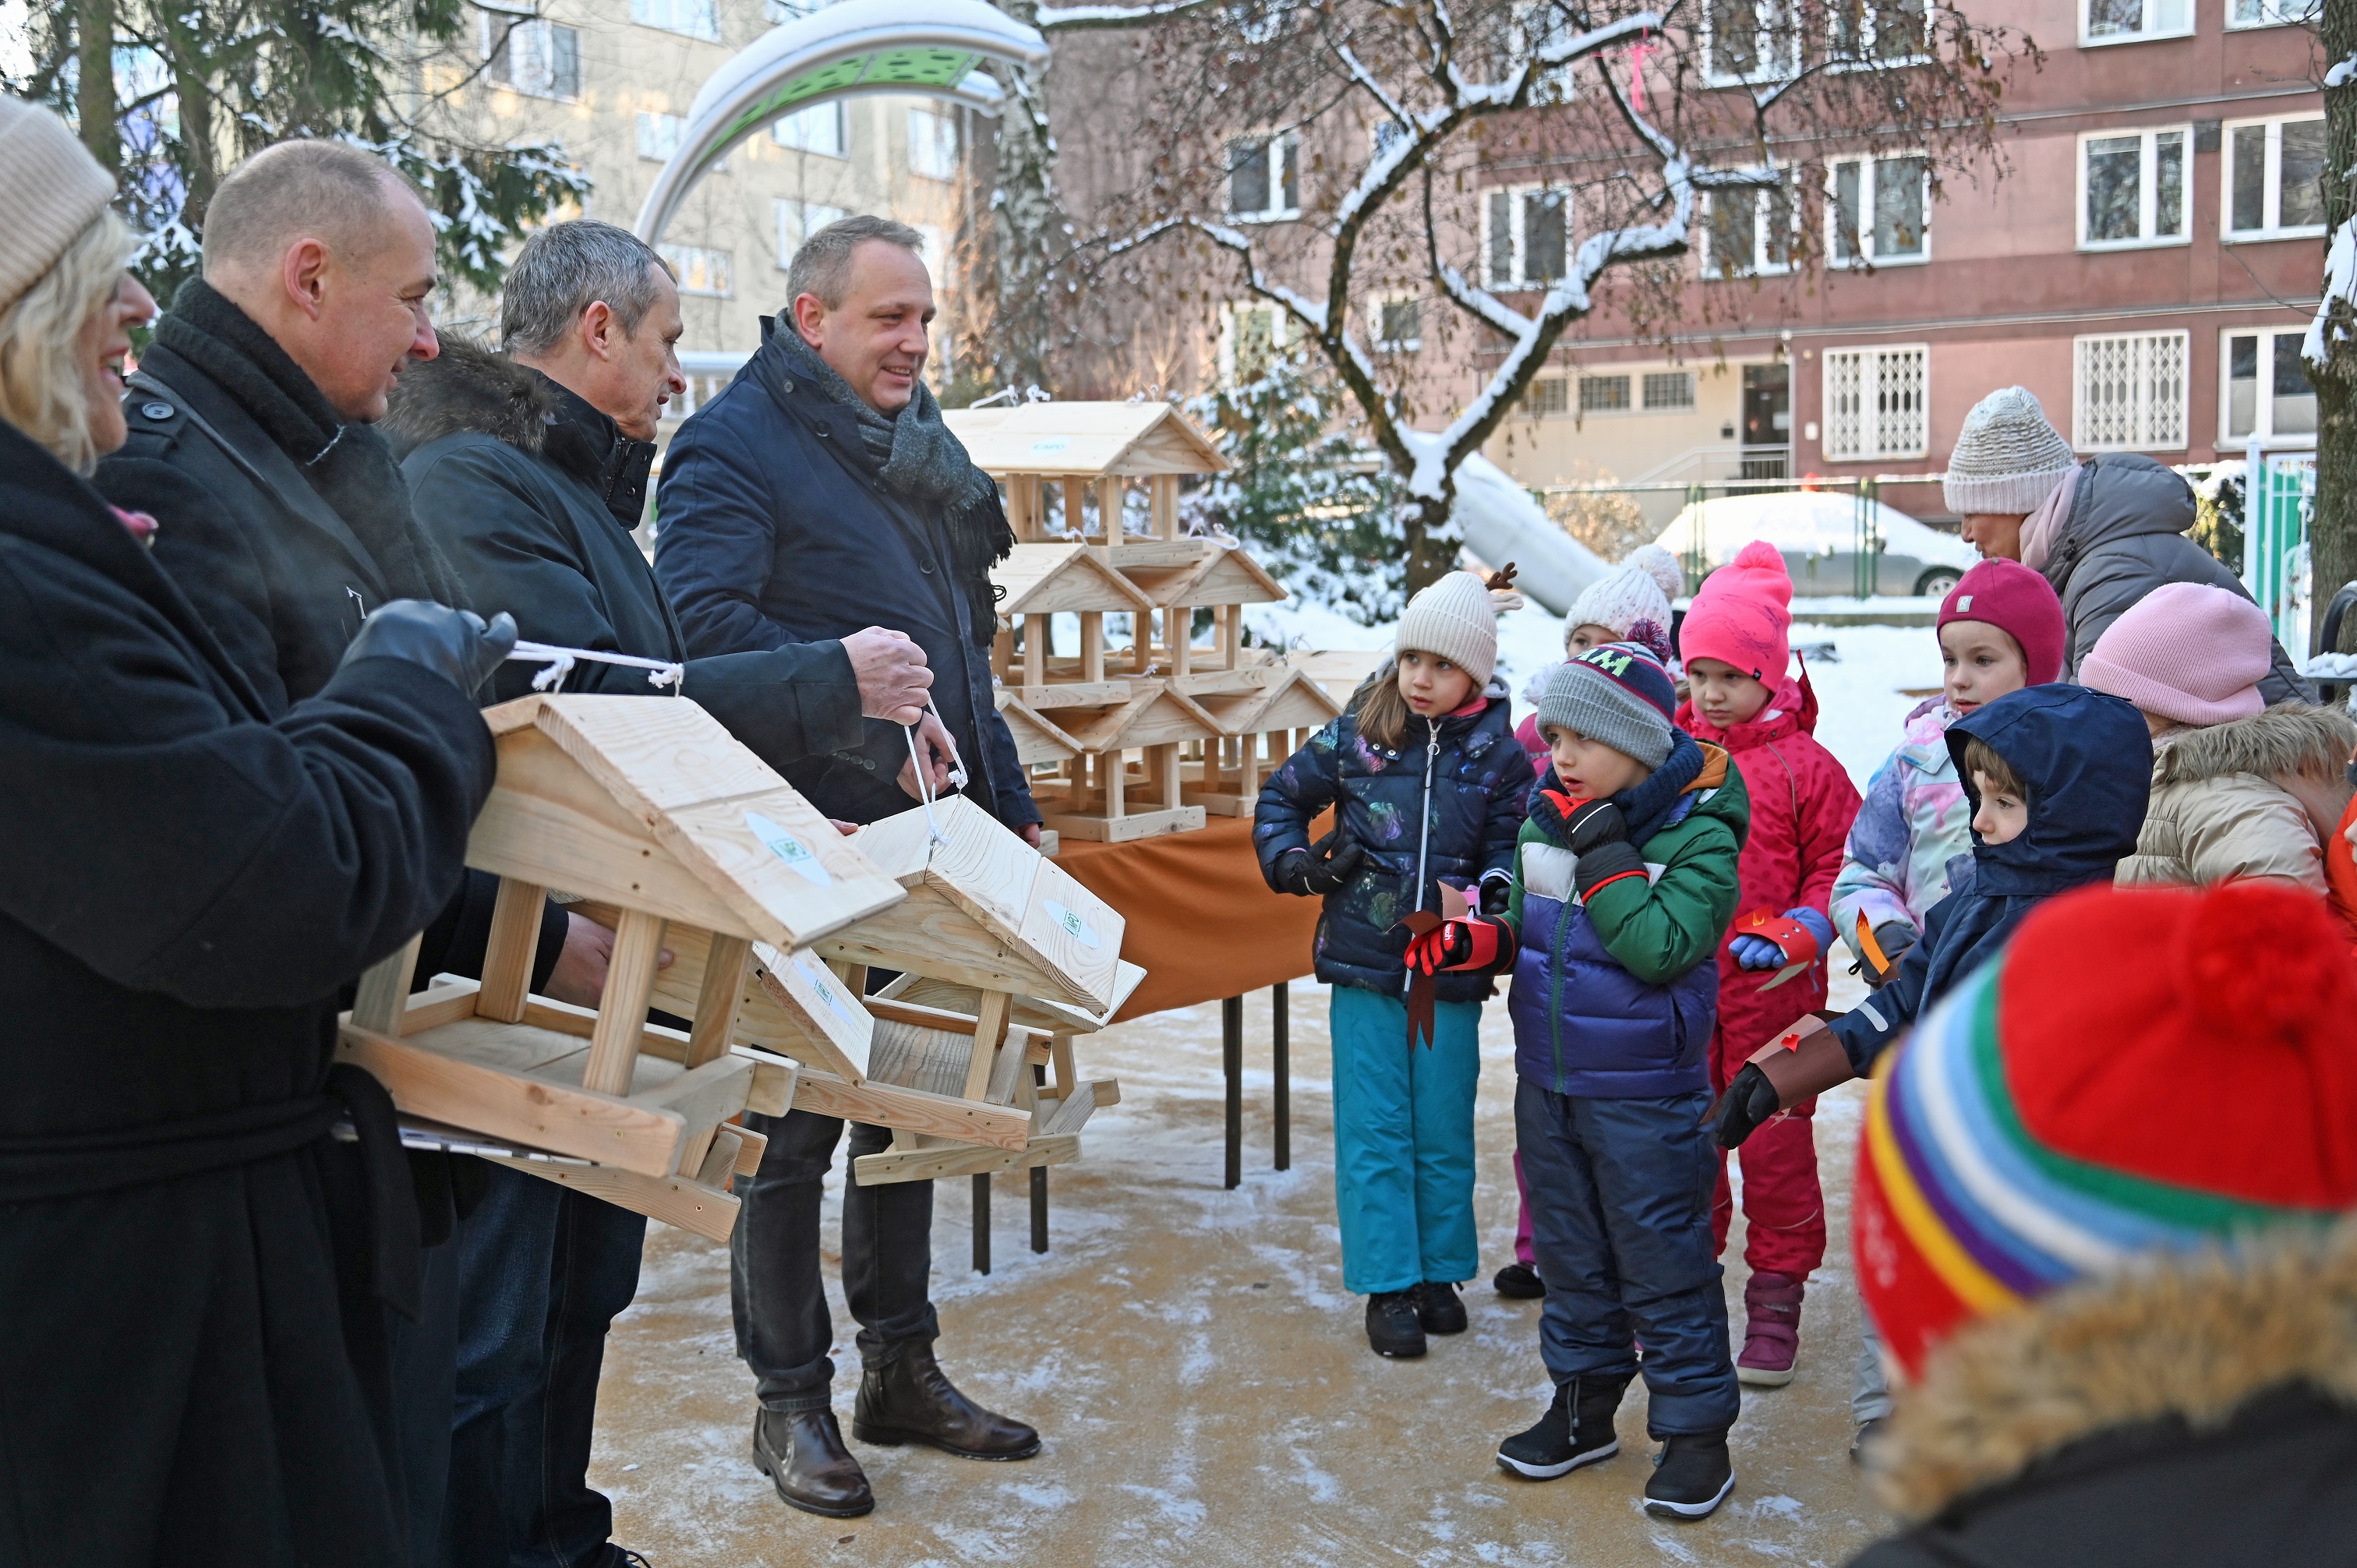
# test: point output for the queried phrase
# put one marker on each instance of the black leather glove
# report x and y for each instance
(1749, 1101)
(454, 644)
(1497, 892)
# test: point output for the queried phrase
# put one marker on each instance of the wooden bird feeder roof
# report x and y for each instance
(1090, 440)
(1290, 700)
(1043, 579)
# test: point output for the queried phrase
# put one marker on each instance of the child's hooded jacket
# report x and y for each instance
(1615, 999)
(1911, 845)
(2086, 760)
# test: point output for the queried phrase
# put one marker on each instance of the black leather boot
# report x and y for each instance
(802, 1453)
(905, 1397)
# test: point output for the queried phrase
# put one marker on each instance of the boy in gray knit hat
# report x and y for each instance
(2008, 460)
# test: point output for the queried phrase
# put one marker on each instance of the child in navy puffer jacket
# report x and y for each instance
(1428, 786)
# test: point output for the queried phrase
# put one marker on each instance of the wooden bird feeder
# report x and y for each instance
(1068, 454)
(1093, 799)
(1260, 728)
(688, 840)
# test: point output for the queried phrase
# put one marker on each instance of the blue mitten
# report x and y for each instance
(1819, 928)
(1756, 952)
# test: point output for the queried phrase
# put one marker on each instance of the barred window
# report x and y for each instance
(1876, 402)
(1546, 396)
(1669, 389)
(1603, 394)
(2130, 392)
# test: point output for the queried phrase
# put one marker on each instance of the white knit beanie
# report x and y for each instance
(1454, 620)
(1640, 590)
(51, 190)
(2007, 457)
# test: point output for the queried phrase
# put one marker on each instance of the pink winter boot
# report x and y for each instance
(1771, 1329)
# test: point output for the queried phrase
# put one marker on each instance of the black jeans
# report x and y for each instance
(783, 1331)
(544, 1272)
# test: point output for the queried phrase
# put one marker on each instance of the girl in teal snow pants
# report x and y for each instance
(1428, 786)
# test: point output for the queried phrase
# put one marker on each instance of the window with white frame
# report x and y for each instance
(1876, 403)
(2128, 392)
(1399, 326)
(696, 19)
(2265, 389)
(1749, 234)
(1547, 396)
(1251, 336)
(1263, 179)
(2274, 178)
(1750, 41)
(798, 220)
(2131, 21)
(933, 144)
(2271, 13)
(2132, 188)
(1603, 394)
(532, 56)
(1878, 32)
(659, 136)
(820, 128)
(1669, 390)
(780, 12)
(1525, 236)
(699, 269)
(1878, 210)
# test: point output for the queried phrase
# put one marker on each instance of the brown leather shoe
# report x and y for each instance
(906, 1398)
(802, 1453)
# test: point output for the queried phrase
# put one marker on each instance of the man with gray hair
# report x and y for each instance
(528, 469)
(819, 492)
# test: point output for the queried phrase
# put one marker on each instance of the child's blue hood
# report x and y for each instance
(2087, 759)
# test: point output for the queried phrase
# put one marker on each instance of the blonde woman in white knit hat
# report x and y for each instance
(195, 1273)
(1427, 787)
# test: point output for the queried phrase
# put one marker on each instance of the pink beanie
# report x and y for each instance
(1742, 616)
(2187, 652)
(2019, 602)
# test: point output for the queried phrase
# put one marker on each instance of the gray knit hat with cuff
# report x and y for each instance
(2007, 457)
(1618, 694)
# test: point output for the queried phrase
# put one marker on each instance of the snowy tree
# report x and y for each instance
(2331, 348)
(1329, 157)
(171, 95)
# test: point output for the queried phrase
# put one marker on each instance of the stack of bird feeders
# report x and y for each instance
(1195, 720)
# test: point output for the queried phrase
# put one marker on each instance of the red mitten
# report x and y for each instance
(1471, 943)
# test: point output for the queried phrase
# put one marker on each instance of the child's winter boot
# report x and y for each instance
(1771, 1329)
(1439, 1309)
(1519, 1282)
(1576, 1430)
(1393, 1328)
(1692, 1476)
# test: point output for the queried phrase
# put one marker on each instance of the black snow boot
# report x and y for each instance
(1438, 1308)
(1576, 1430)
(1520, 1281)
(1393, 1328)
(1692, 1476)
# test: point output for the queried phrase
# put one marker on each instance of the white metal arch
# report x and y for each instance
(928, 47)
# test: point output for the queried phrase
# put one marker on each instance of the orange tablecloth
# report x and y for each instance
(1199, 919)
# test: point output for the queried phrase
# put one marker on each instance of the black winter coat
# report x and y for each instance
(2195, 1414)
(191, 1358)
(280, 579)
(532, 493)
(770, 533)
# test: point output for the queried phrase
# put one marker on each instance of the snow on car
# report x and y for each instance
(1818, 532)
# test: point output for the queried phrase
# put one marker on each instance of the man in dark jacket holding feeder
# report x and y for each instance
(819, 492)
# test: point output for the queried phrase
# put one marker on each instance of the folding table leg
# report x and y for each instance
(982, 1223)
(1039, 1208)
(1281, 1051)
(1232, 1056)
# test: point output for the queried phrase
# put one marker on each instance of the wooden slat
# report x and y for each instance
(990, 1028)
(437, 1006)
(622, 1007)
(886, 1105)
(514, 943)
(718, 999)
(720, 1163)
(382, 995)
(674, 1199)
(1129, 826)
(933, 1164)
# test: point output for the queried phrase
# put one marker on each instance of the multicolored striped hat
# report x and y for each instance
(2139, 1071)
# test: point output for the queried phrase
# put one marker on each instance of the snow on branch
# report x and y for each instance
(1072, 18)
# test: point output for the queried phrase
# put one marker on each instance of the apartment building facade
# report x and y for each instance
(613, 80)
(2146, 266)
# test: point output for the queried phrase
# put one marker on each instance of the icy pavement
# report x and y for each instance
(1200, 1375)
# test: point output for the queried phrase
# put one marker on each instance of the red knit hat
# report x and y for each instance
(2019, 602)
(2068, 1108)
(1742, 616)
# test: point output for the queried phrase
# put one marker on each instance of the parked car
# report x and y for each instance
(1818, 532)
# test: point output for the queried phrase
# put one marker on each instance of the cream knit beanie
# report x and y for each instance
(2007, 457)
(1454, 619)
(51, 190)
(1636, 593)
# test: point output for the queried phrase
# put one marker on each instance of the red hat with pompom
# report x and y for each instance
(2139, 1071)
(1742, 616)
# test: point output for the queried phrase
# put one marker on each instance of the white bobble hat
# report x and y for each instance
(1639, 592)
(1454, 619)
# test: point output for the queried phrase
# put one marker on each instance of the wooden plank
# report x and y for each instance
(703, 1096)
(1078, 694)
(437, 1006)
(514, 944)
(1163, 497)
(1157, 555)
(750, 1147)
(1072, 1113)
(932, 1165)
(886, 1105)
(802, 1009)
(383, 994)
(1047, 579)
(505, 1105)
(1129, 827)
(1162, 762)
(718, 999)
(1109, 507)
(1034, 650)
(1093, 644)
(622, 1006)
(1061, 1067)
(719, 1163)
(1009, 1069)
(1076, 519)
(990, 1028)
(674, 1199)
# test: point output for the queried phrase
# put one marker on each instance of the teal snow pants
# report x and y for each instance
(1404, 1141)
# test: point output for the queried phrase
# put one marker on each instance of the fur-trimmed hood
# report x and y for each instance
(470, 387)
(2282, 742)
(2190, 1337)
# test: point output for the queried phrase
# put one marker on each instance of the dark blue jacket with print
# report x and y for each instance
(1462, 818)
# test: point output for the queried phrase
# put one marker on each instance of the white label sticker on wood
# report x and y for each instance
(829, 989)
(1042, 447)
(1079, 930)
(790, 849)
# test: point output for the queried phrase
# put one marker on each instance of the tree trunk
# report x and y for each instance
(1428, 560)
(199, 157)
(94, 92)
(1027, 223)
(2332, 532)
